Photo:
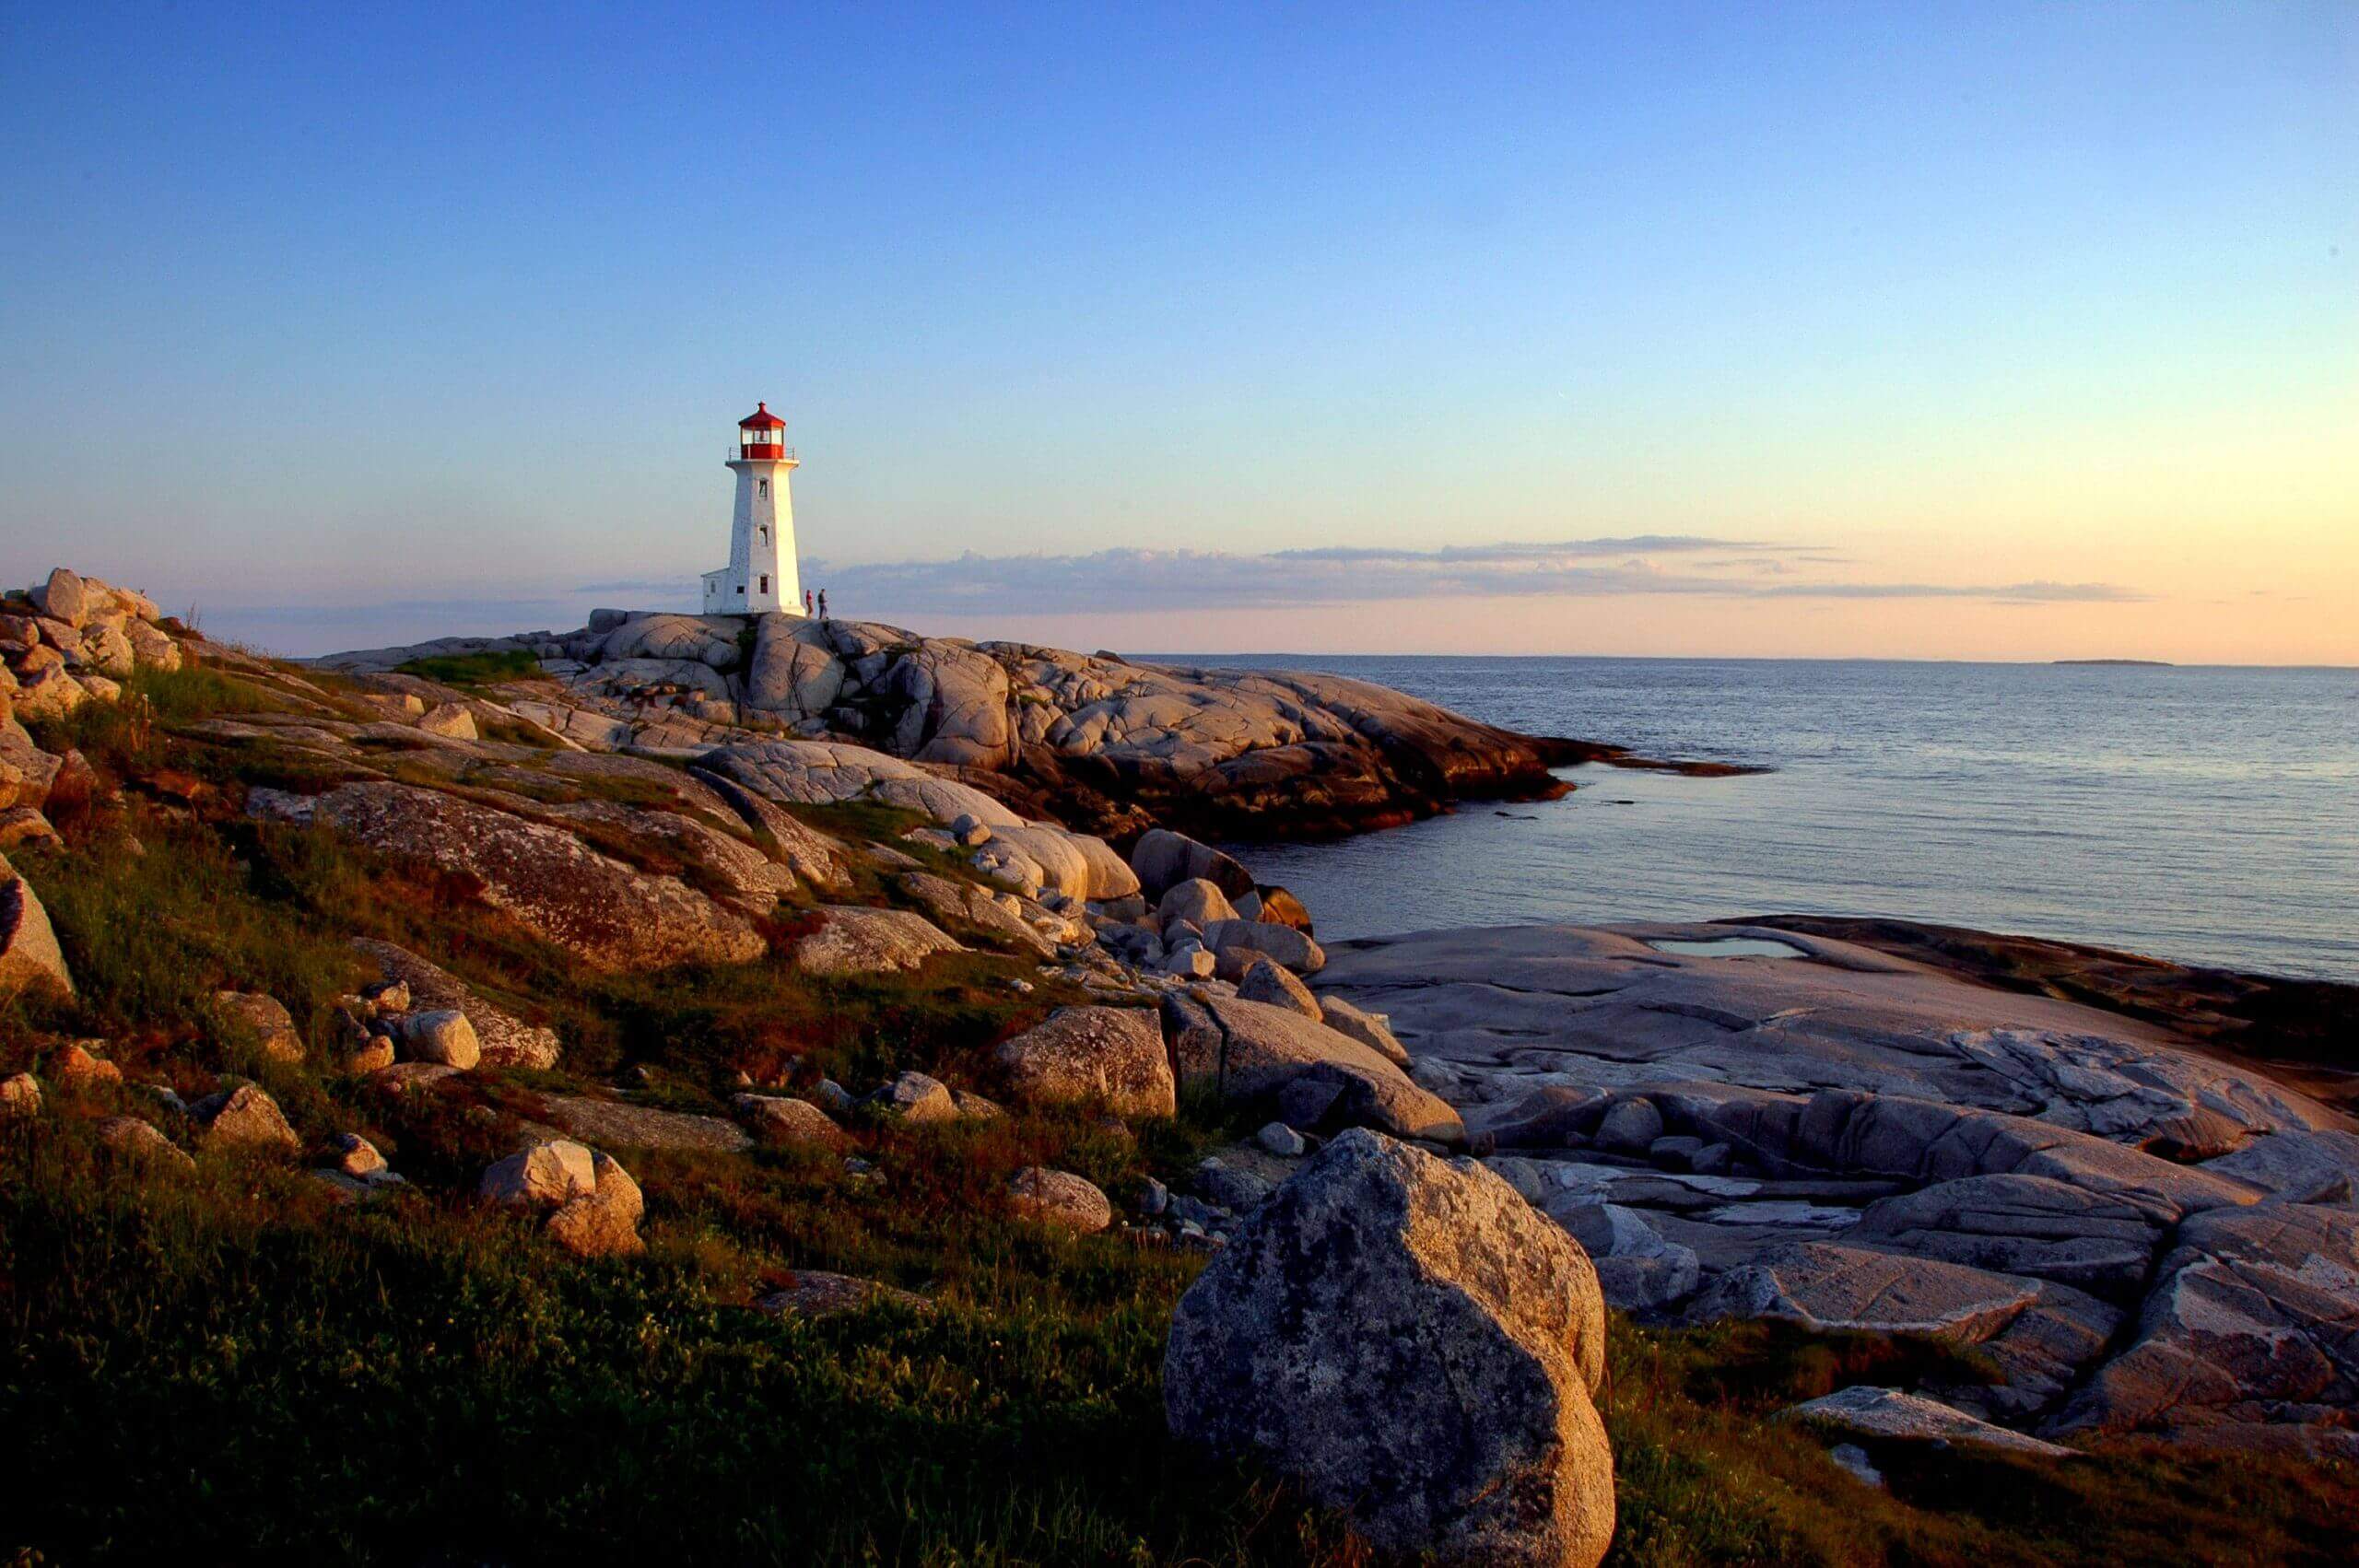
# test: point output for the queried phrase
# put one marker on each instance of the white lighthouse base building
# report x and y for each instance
(762, 575)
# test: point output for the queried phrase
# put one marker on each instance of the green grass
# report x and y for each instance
(132, 733)
(473, 669)
(863, 820)
(229, 1367)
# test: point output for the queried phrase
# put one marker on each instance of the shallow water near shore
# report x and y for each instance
(2208, 816)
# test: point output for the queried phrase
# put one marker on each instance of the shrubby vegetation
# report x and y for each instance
(473, 669)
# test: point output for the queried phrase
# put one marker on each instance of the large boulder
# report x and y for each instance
(1371, 1029)
(710, 640)
(28, 952)
(153, 649)
(1252, 1051)
(1032, 854)
(788, 675)
(1265, 981)
(953, 705)
(1827, 1287)
(243, 1118)
(592, 1206)
(818, 773)
(47, 691)
(19, 1096)
(1111, 1055)
(1060, 1199)
(1238, 943)
(916, 1099)
(1196, 901)
(854, 940)
(441, 1035)
(62, 598)
(28, 773)
(782, 1119)
(2021, 1224)
(602, 910)
(1893, 1416)
(1034, 859)
(1163, 859)
(948, 900)
(108, 651)
(263, 1020)
(604, 1222)
(1409, 1341)
(451, 720)
(2248, 1325)
(544, 1175)
(624, 1124)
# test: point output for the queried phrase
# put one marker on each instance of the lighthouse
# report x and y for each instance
(761, 576)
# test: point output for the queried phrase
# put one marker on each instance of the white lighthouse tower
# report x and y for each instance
(761, 576)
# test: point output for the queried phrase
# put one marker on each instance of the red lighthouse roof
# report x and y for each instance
(761, 419)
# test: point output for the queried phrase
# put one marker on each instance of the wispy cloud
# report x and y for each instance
(1634, 545)
(1996, 593)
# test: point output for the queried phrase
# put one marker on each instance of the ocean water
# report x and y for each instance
(2203, 815)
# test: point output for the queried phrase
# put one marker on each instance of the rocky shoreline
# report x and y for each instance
(2121, 1197)
(2141, 1230)
(2056, 1157)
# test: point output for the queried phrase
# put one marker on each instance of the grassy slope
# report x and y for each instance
(230, 1364)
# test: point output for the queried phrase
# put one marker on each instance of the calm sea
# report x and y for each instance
(2208, 816)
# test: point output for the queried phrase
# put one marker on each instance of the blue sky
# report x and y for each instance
(346, 324)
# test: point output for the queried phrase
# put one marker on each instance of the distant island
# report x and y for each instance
(2138, 663)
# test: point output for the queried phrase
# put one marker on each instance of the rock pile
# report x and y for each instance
(587, 1202)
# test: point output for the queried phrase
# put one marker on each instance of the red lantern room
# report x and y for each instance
(761, 436)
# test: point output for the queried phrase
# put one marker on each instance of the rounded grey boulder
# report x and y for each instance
(1409, 1341)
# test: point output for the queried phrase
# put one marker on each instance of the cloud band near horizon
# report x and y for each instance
(1139, 579)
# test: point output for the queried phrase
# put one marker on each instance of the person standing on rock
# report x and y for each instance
(823, 603)
(806, 602)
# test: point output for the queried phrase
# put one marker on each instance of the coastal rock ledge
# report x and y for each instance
(1093, 740)
(2138, 1228)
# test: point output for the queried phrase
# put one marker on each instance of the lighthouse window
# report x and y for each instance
(765, 485)
(765, 583)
